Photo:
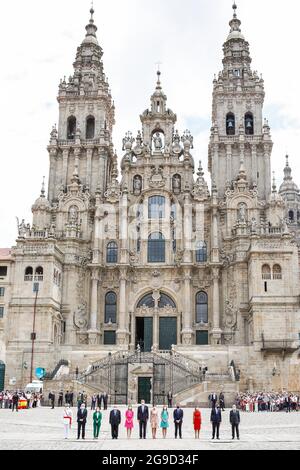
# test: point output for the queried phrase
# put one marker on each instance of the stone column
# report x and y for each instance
(53, 170)
(216, 331)
(65, 166)
(156, 297)
(133, 331)
(187, 332)
(254, 164)
(123, 333)
(94, 332)
(229, 162)
(188, 228)
(89, 155)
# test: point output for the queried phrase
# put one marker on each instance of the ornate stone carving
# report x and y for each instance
(157, 179)
(80, 318)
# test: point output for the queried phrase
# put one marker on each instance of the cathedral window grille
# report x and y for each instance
(90, 127)
(146, 301)
(166, 301)
(157, 207)
(28, 274)
(202, 308)
(230, 124)
(112, 253)
(249, 124)
(39, 274)
(266, 272)
(2, 291)
(201, 252)
(156, 248)
(277, 272)
(3, 271)
(1, 311)
(71, 131)
(111, 308)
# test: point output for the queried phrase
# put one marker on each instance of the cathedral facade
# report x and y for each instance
(154, 259)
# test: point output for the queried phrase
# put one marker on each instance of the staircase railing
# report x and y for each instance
(51, 375)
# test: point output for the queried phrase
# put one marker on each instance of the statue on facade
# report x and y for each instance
(242, 213)
(73, 215)
(137, 185)
(176, 183)
(158, 143)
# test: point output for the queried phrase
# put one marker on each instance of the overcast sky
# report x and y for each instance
(38, 45)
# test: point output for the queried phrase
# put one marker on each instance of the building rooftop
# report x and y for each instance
(5, 254)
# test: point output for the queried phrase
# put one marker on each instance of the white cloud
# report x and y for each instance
(39, 46)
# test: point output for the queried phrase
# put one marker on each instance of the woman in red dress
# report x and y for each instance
(197, 418)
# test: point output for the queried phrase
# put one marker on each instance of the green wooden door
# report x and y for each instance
(2, 376)
(167, 333)
(144, 389)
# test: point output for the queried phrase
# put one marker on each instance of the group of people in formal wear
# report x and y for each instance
(268, 401)
(12, 400)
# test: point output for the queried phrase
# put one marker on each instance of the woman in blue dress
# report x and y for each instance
(164, 421)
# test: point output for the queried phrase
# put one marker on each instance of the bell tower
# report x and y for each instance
(82, 143)
(239, 136)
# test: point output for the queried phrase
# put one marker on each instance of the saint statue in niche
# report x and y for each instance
(176, 184)
(73, 215)
(137, 185)
(242, 213)
(157, 140)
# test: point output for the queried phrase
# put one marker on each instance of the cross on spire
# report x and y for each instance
(234, 6)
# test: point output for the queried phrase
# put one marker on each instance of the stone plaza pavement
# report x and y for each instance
(43, 429)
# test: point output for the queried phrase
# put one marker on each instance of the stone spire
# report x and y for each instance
(158, 99)
(288, 184)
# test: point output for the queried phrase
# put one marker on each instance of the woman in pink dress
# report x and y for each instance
(129, 415)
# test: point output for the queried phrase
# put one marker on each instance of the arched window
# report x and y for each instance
(230, 124)
(157, 207)
(266, 272)
(146, 301)
(249, 124)
(28, 274)
(291, 216)
(111, 308)
(166, 301)
(90, 127)
(156, 248)
(71, 131)
(202, 308)
(277, 272)
(39, 274)
(201, 252)
(112, 253)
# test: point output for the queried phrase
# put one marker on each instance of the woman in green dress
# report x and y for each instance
(164, 421)
(97, 420)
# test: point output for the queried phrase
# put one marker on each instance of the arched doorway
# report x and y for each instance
(2, 376)
(156, 322)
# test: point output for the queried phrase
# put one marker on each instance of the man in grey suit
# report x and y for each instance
(235, 420)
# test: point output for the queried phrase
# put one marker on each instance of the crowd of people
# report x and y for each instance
(268, 401)
(14, 400)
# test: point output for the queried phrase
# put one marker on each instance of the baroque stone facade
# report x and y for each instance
(155, 258)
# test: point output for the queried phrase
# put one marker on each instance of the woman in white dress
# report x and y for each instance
(67, 420)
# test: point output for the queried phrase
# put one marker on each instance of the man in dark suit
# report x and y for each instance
(216, 419)
(213, 398)
(71, 399)
(105, 400)
(235, 422)
(52, 399)
(15, 401)
(81, 420)
(170, 399)
(178, 420)
(115, 421)
(143, 417)
(222, 401)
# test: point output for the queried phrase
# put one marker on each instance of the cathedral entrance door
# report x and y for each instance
(144, 390)
(167, 333)
(144, 333)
